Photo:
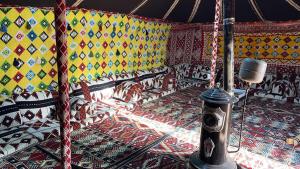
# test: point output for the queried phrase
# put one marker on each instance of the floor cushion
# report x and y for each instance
(36, 105)
(43, 129)
(15, 139)
(9, 114)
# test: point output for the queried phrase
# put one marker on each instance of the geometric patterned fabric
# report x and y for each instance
(274, 43)
(163, 134)
(9, 114)
(98, 44)
(272, 47)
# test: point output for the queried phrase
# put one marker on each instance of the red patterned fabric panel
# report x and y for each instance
(86, 91)
(129, 91)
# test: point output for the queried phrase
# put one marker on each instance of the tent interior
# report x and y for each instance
(125, 84)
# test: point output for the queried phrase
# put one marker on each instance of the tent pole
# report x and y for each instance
(228, 22)
(62, 61)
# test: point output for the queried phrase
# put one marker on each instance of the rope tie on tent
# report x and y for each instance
(215, 43)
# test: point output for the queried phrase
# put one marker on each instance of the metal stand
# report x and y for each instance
(198, 164)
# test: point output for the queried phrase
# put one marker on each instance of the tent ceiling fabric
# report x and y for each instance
(271, 10)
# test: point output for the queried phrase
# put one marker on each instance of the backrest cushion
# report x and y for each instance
(200, 72)
(145, 78)
(283, 88)
(128, 91)
(182, 70)
(99, 89)
(102, 89)
(35, 105)
(165, 82)
(9, 114)
(266, 84)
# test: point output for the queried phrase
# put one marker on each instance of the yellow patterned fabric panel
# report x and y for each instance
(98, 44)
(272, 47)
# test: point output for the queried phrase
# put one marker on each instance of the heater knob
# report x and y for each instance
(210, 120)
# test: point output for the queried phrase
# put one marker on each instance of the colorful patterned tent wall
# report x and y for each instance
(277, 43)
(272, 47)
(184, 46)
(99, 44)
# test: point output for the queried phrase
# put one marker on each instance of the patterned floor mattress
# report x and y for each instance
(163, 134)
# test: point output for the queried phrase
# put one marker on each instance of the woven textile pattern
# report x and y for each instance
(64, 105)
(185, 46)
(98, 44)
(272, 47)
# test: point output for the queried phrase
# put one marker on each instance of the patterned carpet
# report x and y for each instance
(163, 134)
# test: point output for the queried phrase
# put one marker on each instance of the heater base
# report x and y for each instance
(198, 164)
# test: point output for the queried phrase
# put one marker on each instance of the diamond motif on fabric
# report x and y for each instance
(54, 84)
(124, 54)
(73, 34)
(82, 55)
(5, 66)
(31, 62)
(42, 86)
(17, 89)
(52, 61)
(53, 49)
(98, 34)
(91, 33)
(19, 50)
(7, 121)
(21, 63)
(32, 22)
(31, 35)
(43, 36)
(107, 24)
(30, 88)
(90, 44)
(19, 21)
(82, 44)
(18, 77)
(52, 73)
(113, 34)
(112, 44)
(83, 21)
(20, 36)
(5, 38)
(29, 115)
(96, 66)
(6, 52)
(73, 68)
(120, 34)
(41, 74)
(74, 22)
(31, 49)
(44, 23)
(82, 67)
(5, 79)
(43, 49)
(105, 45)
(30, 75)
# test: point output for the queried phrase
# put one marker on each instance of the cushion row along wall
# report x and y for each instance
(99, 44)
